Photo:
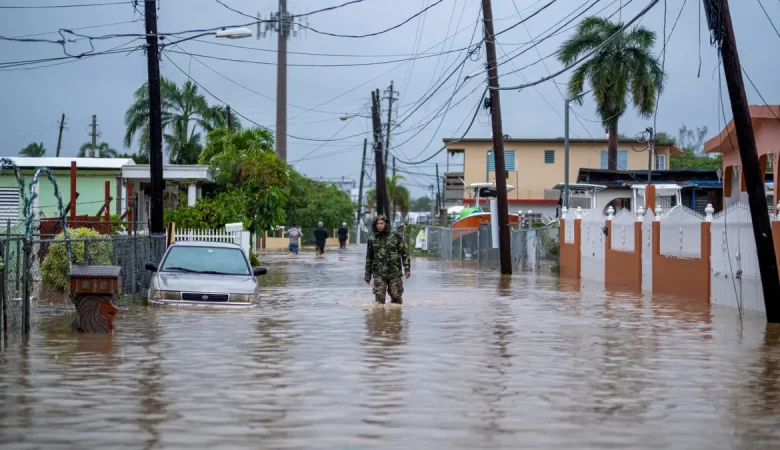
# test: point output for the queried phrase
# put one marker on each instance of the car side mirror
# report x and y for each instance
(150, 267)
(258, 271)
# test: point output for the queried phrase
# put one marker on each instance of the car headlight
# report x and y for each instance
(242, 298)
(167, 295)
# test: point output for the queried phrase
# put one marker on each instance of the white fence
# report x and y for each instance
(735, 279)
(592, 246)
(681, 233)
(623, 231)
(241, 238)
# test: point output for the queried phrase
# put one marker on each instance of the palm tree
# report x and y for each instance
(35, 150)
(622, 66)
(184, 112)
(398, 195)
(103, 151)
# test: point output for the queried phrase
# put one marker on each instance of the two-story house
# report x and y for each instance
(535, 165)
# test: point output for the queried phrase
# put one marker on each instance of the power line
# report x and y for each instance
(769, 18)
(588, 55)
(81, 5)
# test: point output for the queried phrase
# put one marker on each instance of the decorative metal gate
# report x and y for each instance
(735, 279)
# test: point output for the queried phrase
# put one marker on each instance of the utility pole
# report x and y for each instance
(504, 249)
(59, 139)
(360, 191)
(155, 119)
(94, 135)
(719, 20)
(433, 206)
(567, 107)
(393, 164)
(650, 153)
(283, 24)
(438, 189)
(390, 98)
(382, 201)
(227, 117)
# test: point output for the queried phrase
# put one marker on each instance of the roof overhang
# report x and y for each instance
(170, 172)
(59, 163)
(726, 140)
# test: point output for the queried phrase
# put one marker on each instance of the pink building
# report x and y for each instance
(766, 128)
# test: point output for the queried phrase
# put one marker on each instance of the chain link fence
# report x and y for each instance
(533, 249)
(44, 275)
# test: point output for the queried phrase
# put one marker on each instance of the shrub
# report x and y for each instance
(54, 270)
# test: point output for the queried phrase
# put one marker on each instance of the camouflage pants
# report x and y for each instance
(394, 286)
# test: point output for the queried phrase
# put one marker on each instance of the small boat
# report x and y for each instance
(471, 217)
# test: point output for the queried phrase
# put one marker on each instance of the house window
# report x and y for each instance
(660, 162)
(9, 205)
(549, 156)
(509, 161)
(622, 162)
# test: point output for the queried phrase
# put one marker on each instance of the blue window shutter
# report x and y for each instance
(491, 162)
(549, 156)
(604, 159)
(509, 160)
(622, 160)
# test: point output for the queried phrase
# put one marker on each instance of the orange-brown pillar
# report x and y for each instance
(623, 269)
(650, 197)
(107, 214)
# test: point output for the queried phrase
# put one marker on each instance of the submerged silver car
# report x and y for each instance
(205, 274)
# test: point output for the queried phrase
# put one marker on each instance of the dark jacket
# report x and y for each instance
(343, 231)
(320, 236)
(386, 253)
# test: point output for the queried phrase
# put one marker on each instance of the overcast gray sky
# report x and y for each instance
(103, 85)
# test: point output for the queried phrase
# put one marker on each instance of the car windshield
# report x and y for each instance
(209, 260)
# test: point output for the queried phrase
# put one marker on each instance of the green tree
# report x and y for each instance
(35, 150)
(399, 196)
(400, 199)
(311, 201)
(185, 113)
(422, 204)
(103, 151)
(623, 66)
(690, 160)
(250, 141)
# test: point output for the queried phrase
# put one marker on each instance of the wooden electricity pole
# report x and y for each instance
(155, 119)
(94, 136)
(59, 139)
(719, 19)
(504, 247)
(360, 191)
(227, 118)
(381, 185)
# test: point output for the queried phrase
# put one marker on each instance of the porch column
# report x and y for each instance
(192, 192)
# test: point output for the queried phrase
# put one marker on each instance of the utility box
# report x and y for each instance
(95, 280)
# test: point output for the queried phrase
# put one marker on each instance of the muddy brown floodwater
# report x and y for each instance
(468, 362)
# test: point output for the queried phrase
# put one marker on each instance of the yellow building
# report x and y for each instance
(535, 165)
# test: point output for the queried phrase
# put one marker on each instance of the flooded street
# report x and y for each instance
(468, 362)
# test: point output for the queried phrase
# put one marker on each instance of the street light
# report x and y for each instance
(225, 33)
(352, 116)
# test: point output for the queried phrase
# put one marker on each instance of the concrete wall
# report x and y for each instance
(682, 277)
(570, 256)
(533, 176)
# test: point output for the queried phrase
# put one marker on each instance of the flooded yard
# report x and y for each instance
(469, 361)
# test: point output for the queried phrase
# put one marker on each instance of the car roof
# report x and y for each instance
(205, 244)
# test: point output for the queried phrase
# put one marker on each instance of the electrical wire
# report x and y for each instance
(247, 118)
(81, 5)
(376, 33)
(588, 55)
(769, 18)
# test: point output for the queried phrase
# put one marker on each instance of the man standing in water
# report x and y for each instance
(343, 235)
(386, 254)
(320, 236)
(295, 234)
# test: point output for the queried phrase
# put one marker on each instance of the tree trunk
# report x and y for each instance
(612, 146)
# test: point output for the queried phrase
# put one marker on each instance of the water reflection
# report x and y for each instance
(383, 373)
(472, 360)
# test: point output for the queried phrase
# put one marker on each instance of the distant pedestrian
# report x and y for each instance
(343, 235)
(385, 256)
(320, 237)
(295, 234)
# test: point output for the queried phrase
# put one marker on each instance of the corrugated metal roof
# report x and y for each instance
(26, 162)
